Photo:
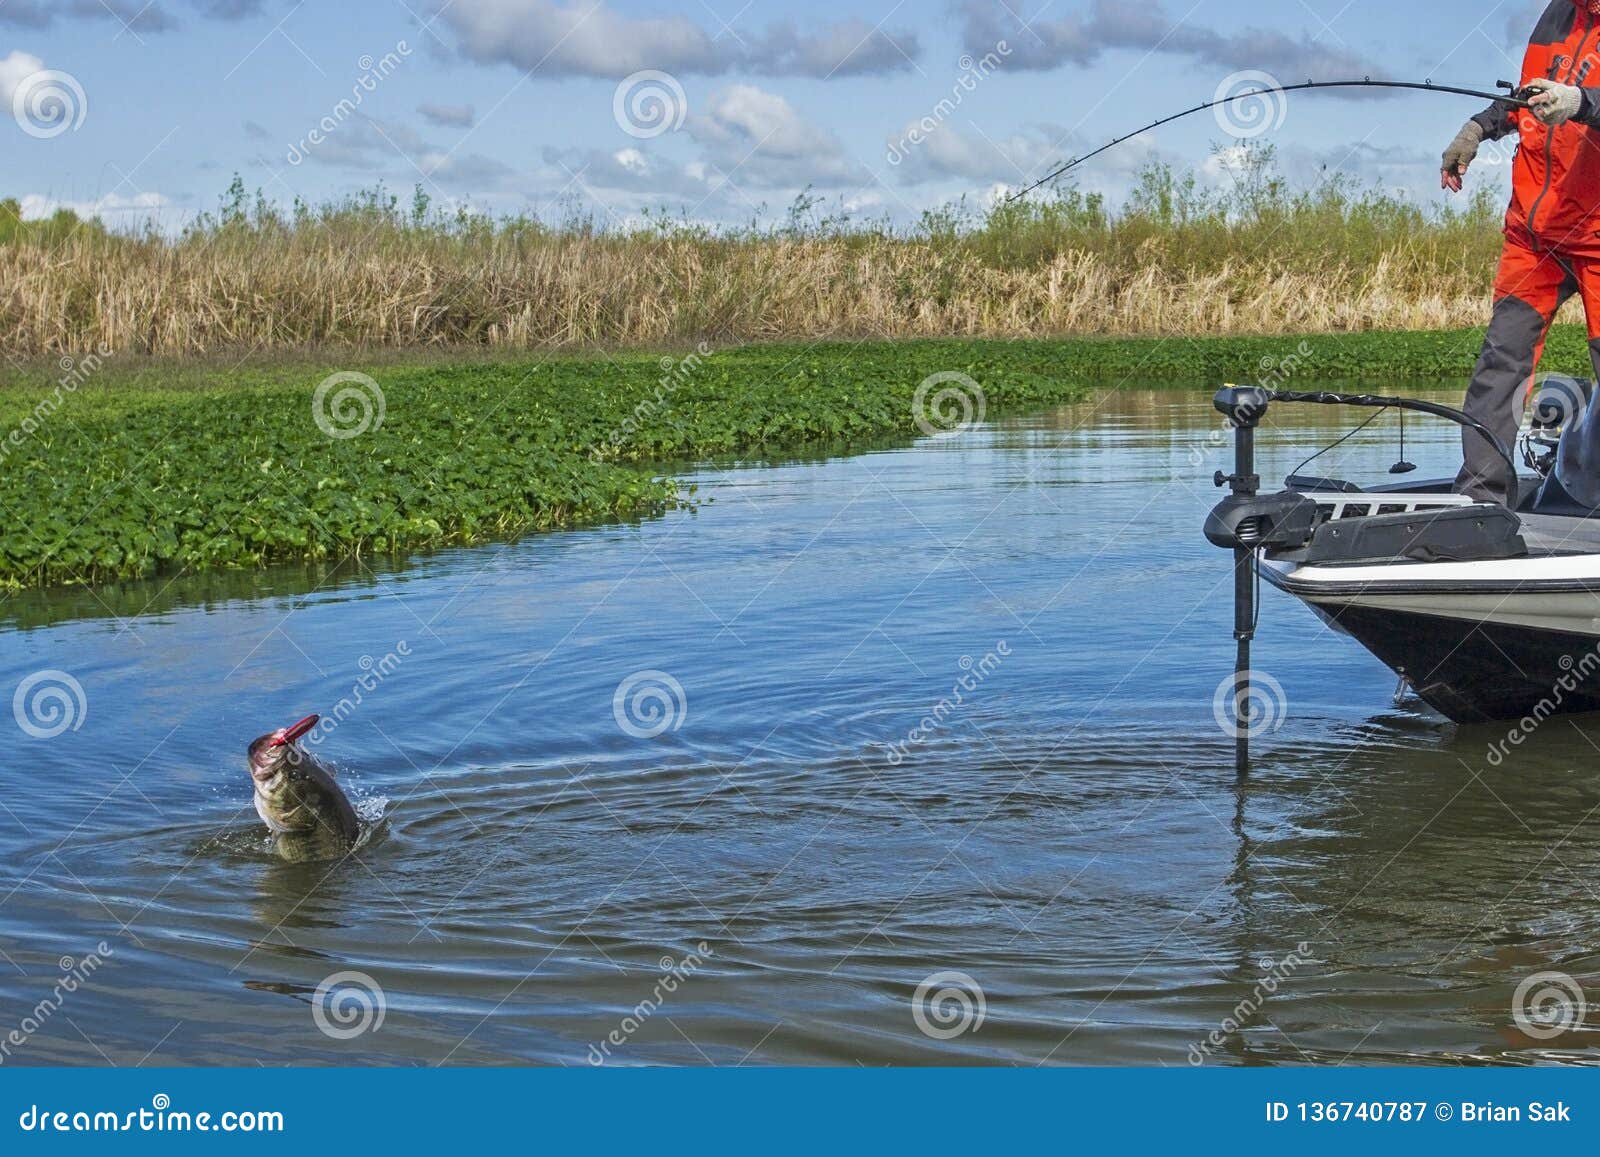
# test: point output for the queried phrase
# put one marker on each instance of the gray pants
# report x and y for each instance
(1510, 354)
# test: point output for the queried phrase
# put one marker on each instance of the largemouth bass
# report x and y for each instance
(298, 797)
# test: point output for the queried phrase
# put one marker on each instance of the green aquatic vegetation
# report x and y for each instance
(119, 480)
(143, 469)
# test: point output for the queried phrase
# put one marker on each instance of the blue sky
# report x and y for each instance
(513, 105)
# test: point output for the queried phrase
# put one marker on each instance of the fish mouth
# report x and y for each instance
(268, 753)
(265, 761)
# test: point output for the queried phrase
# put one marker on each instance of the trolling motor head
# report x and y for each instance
(1243, 406)
(1247, 520)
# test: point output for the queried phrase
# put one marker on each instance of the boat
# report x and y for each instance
(1486, 611)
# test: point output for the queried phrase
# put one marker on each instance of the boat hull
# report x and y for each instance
(1474, 655)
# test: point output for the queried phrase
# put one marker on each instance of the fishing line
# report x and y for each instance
(1511, 95)
(1340, 442)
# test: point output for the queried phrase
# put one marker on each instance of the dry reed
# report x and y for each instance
(1175, 261)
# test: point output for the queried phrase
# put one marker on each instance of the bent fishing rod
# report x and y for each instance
(1510, 95)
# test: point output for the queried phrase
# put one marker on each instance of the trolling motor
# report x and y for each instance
(1247, 521)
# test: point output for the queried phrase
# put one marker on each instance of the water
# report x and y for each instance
(1069, 837)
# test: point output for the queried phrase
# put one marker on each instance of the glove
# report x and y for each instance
(1460, 155)
(1555, 103)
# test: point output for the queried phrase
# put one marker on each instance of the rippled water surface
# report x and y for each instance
(812, 836)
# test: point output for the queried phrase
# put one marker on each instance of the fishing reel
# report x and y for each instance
(1557, 403)
(1520, 95)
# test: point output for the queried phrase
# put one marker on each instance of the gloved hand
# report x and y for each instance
(1460, 155)
(1555, 103)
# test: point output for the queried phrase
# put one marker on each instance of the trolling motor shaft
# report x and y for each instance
(1244, 408)
(1245, 522)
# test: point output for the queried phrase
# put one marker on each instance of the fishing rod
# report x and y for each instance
(1510, 95)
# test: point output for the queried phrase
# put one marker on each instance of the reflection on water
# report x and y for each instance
(944, 709)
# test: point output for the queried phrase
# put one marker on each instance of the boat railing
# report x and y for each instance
(1332, 507)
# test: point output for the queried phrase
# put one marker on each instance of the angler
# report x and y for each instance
(1552, 229)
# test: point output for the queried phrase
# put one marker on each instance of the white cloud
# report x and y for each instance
(751, 142)
(448, 116)
(1228, 162)
(628, 170)
(114, 207)
(1401, 170)
(950, 152)
(632, 160)
(365, 144)
(469, 172)
(758, 138)
(745, 116)
(136, 15)
(537, 34)
(15, 68)
(590, 39)
(228, 9)
(849, 48)
(1144, 26)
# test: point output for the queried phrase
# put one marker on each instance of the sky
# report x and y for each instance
(714, 110)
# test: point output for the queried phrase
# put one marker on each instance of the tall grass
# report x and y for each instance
(1176, 258)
